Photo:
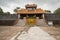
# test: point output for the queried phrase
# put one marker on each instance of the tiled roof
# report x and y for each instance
(25, 11)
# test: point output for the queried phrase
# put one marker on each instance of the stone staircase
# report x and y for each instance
(21, 22)
(41, 22)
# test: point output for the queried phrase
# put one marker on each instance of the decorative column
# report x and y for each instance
(24, 20)
(37, 20)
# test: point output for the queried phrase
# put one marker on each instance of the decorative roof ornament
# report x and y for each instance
(31, 5)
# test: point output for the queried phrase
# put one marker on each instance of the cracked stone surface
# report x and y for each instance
(7, 32)
(35, 33)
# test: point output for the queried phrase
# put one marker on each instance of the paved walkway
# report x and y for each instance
(35, 33)
(7, 32)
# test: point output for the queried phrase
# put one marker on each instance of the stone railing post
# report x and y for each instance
(37, 20)
(24, 19)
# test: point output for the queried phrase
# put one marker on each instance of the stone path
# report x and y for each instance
(7, 32)
(53, 31)
(35, 33)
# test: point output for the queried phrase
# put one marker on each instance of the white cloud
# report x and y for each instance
(9, 5)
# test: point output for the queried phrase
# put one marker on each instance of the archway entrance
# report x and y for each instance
(31, 21)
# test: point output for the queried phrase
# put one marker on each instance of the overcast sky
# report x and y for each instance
(9, 5)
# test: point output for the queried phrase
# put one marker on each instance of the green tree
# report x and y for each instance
(16, 9)
(48, 11)
(57, 11)
(1, 11)
(7, 13)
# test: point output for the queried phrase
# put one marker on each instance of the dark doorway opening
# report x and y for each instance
(40, 16)
(31, 16)
(22, 16)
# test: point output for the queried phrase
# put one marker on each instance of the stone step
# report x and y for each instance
(20, 23)
(41, 22)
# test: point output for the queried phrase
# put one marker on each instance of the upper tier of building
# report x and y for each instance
(31, 9)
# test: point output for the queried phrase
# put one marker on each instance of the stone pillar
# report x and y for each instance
(43, 16)
(18, 16)
(24, 19)
(37, 20)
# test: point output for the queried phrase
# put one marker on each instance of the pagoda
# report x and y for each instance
(31, 12)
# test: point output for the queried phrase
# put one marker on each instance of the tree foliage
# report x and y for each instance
(1, 11)
(48, 11)
(7, 13)
(16, 9)
(57, 11)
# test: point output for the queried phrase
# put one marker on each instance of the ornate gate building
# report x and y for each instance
(31, 13)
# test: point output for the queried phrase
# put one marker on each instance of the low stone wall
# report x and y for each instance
(8, 16)
(52, 19)
(8, 19)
